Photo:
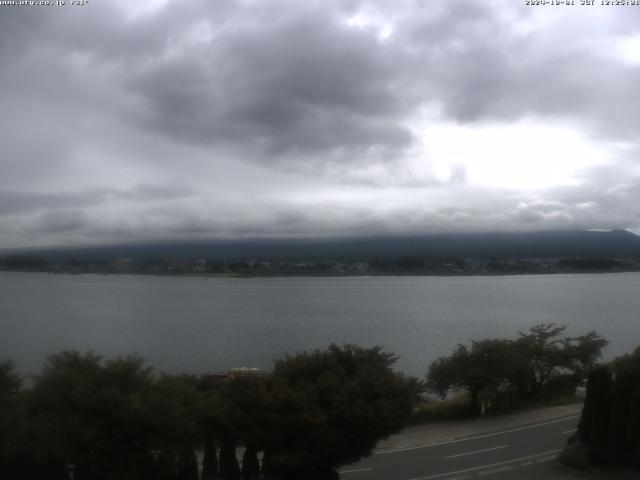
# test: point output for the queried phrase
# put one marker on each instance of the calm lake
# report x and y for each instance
(198, 324)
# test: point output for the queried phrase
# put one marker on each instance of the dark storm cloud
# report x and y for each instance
(281, 74)
(16, 202)
(292, 79)
(483, 65)
(12, 202)
(284, 77)
(59, 222)
(248, 118)
(288, 86)
(266, 82)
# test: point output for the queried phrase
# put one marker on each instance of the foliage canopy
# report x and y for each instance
(329, 408)
(539, 362)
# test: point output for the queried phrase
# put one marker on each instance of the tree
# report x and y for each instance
(240, 406)
(539, 362)
(329, 408)
(66, 410)
(625, 415)
(11, 418)
(232, 411)
(250, 463)
(175, 404)
(188, 465)
(549, 356)
(210, 460)
(610, 422)
(487, 365)
(229, 468)
(584, 352)
(17, 459)
(594, 423)
(110, 419)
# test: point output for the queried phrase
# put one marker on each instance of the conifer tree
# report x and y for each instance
(229, 468)
(610, 422)
(210, 461)
(597, 420)
(250, 463)
(188, 465)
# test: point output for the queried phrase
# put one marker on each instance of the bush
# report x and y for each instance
(433, 410)
(610, 422)
(330, 408)
(116, 419)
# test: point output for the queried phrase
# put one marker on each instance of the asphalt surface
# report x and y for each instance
(504, 453)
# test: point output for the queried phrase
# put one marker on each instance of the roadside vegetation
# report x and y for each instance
(609, 430)
(89, 418)
(495, 375)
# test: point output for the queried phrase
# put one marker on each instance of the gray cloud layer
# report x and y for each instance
(287, 118)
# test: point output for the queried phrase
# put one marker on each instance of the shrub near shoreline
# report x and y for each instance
(115, 419)
(502, 374)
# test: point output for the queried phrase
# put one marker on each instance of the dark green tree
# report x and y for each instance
(250, 463)
(624, 438)
(593, 428)
(12, 423)
(165, 465)
(175, 403)
(229, 468)
(486, 366)
(210, 460)
(235, 412)
(549, 356)
(540, 362)
(610, 421)
(188, 465)
(330, 408)
(110, 418)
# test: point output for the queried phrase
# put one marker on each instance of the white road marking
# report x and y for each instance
(569, 431)
(477, 451)
(482, 467)
(355, 470)
(495, 470)
(448, 442)
(546, 459)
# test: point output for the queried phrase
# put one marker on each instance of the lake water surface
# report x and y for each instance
(198, 324)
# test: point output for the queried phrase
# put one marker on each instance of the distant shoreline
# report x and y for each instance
(323, 275)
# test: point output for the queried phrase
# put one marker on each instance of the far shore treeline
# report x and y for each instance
(87, 417)
(436, 254)
(341, 266)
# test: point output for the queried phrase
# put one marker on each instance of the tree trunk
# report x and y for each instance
(475, 402)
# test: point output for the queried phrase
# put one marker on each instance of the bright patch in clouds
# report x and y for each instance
(524, 155)
(364, 19)
(628, 49)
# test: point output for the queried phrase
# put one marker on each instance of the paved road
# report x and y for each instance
(479, 456)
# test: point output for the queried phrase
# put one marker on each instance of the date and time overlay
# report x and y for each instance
(582, 3)
(529, 3)
(44, 3)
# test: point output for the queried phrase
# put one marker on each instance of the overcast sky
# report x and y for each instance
(125, 121)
